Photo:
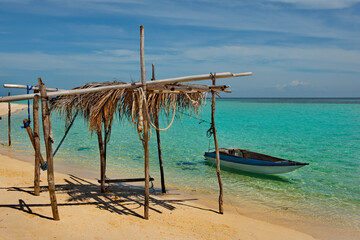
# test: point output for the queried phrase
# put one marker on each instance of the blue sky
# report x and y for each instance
(307, 48)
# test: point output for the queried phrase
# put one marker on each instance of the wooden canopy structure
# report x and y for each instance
(140, 102)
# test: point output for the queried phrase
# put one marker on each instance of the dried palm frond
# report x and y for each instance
(99, 108)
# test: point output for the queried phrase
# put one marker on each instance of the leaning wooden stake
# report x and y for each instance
(163, 189)
(102, 159)
(146, 137)
(9, 121)
(32, 138)
(221, 210)
(38, 156)
(46, 119)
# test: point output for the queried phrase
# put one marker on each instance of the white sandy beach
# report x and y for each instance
(14, 108)
(86, 213)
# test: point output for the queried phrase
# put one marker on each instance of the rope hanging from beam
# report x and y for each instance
(66, 132)
(28, 88)
(148, 116)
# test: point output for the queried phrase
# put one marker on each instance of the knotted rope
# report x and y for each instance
(139, 98)
(28, 88)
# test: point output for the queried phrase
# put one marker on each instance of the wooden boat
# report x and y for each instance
(253, 162)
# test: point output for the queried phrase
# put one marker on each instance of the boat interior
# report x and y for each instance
(236, 152)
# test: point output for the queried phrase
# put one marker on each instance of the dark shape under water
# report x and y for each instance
(181, 163)
(83, 148)
(187, 165)
(137, 158)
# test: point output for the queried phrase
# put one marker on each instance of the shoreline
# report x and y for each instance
(15, 107)
(84, 212)
(204, 202)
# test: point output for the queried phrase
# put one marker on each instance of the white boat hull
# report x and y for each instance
(255, 168)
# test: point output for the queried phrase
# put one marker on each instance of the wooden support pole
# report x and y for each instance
(46, 119)
(102, 160)
(142, 58)
(221, 210)
(153, 72)
(38, 156)
(162, 177)
(146, 126)
(32, 139)
(9, 121)
(147, 174)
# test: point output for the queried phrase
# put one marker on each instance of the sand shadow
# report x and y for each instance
(122, 199)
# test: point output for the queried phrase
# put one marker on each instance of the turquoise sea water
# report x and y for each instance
(322, 132)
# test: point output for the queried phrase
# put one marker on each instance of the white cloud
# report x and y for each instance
(292, 84)
(121, 53)
(124, 65)
(15, 1)
(95, 30)
(37, 61)
(320, 4)
(315, 58)
(229, 15)
(227, 58)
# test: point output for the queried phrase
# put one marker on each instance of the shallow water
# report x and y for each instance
(322, 132)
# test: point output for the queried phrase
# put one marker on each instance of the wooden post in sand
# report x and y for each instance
(102, 159)
(163, 189)
(213, 93)
(46, 119)
(38, 156)
(145, 136)
(9, 121)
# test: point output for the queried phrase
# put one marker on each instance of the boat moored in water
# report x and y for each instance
(253, 162)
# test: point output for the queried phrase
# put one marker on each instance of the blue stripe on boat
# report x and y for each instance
(228, 158)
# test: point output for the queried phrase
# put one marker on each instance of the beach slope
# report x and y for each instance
(14, 108)
(86, 213)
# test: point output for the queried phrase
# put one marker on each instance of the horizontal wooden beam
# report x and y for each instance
(126, 85)
(174, 91)
(126, 180)
(34, 88)
(189, 87)
(185, 91)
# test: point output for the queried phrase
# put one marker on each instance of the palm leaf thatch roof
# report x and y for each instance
(99, 108)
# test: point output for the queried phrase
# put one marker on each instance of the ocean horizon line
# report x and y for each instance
(292, 100)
